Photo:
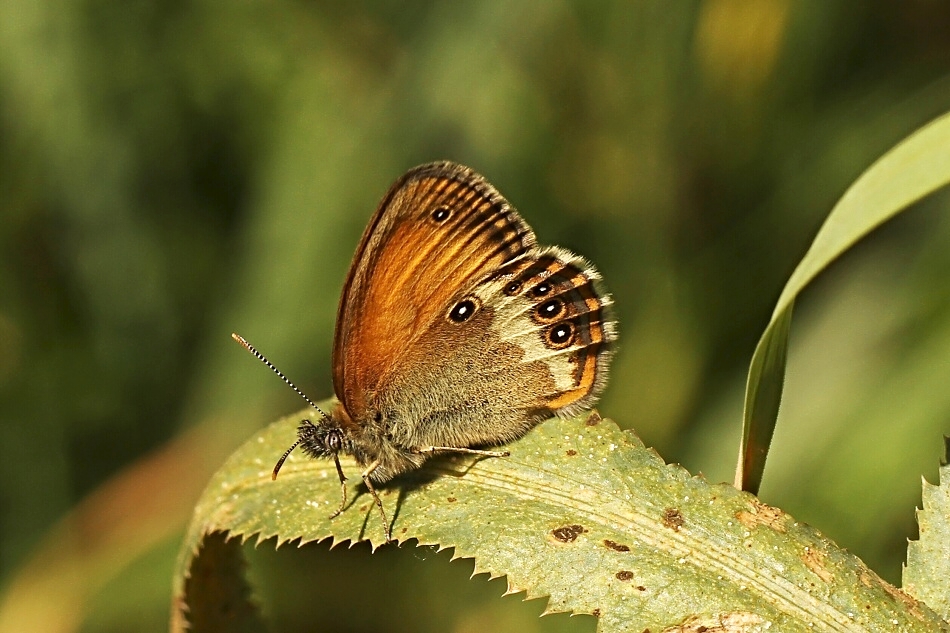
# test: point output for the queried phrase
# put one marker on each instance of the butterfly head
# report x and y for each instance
(320, 439)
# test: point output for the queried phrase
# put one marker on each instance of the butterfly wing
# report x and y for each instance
(439, 229)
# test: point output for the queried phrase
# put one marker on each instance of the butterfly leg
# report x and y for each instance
(379, 503)
(467, 451)
(339, 471)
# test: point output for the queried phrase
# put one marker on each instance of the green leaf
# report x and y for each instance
(927, 573)
(581, 512)
(762, 400)
(916, 167)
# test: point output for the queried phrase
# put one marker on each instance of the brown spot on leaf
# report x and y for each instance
(617, 547)
(625, 575)
(673, 519)
(815, 561)
(595, 613)
(641, 588)
(762, 514)
(571, 452)
(870, 579)
(593, 419)
(568, 533)
(732, 622)
(451, 499)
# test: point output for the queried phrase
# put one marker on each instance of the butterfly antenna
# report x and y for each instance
(240, 339)
(283, 458)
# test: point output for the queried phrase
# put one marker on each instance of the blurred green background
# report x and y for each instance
(171, 172)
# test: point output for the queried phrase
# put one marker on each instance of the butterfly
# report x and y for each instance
(455, 331)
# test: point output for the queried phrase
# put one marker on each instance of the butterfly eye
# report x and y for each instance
(463, 310)
(560, 336)
(334, 441)
(441, 214)
(550, 309)
(542, 289)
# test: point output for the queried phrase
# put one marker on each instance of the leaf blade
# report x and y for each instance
(914, 168)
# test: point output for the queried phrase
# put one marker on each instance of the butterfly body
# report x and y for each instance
(455, 330)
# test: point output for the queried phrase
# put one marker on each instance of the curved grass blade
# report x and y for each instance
(916, 167)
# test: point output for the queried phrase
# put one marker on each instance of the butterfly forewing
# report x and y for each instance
(439, 230)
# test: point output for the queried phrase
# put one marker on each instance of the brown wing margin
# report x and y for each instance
(404, 265)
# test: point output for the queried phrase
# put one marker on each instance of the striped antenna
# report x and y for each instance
(240, 339)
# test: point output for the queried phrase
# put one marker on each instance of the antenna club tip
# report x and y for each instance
(237, 337)
(273, 476)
